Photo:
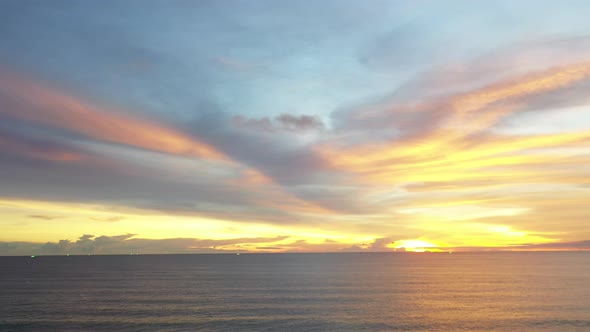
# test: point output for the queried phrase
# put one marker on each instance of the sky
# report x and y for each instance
(180, 126)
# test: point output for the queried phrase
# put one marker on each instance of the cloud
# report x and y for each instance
(553, 246)
(128, 243)
(465, 113)
(12, 144)
(103, 140)
(33, 102)
(196, 193)
(381, 244)
(576, 245)
(290, 162)
(477, 93)
(445, 135)
(377, 245)
(43, 217)
(108, 219)
(99, 154)
(499, 64)
(86, 244)
(430, 142)
(458, 138)
(283, 122)
(281, 158)
(299, 123)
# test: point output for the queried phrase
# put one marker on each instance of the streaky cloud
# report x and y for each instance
(35, 148)
(32, 101)
(283, 122)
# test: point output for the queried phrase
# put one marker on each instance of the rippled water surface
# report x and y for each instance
(298, 292)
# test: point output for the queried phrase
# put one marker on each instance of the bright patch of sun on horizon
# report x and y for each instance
(415, 245)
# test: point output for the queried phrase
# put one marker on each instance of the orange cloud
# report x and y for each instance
(525, 86)
(458, 176)
(450, 152)
(270, 195)
(37, 102)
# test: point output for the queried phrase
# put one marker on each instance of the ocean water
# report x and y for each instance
(298, 292)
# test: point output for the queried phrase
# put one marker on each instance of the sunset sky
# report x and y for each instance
(293, 126)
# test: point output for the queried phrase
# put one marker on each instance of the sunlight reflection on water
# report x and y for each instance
(307, 292)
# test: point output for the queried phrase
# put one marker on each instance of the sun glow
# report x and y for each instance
(415, 245)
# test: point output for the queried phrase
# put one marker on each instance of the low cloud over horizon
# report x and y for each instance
(124, 244)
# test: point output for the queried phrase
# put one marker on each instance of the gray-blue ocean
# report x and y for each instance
(298, 292)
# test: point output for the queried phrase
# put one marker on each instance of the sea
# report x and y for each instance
(477, 291)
